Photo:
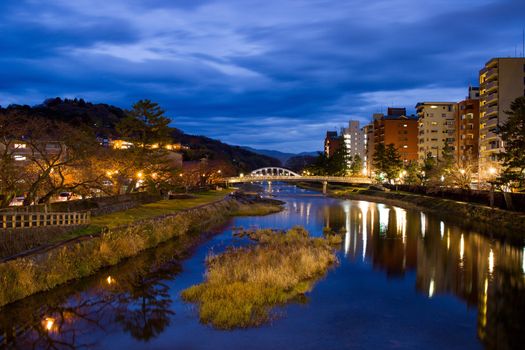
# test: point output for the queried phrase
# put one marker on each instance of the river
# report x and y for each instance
(405, 280)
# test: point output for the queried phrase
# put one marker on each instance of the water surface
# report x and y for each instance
(405, 279)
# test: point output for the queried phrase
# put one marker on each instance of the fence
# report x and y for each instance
(36, 219)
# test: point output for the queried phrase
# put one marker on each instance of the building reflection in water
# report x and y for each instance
(486, 274)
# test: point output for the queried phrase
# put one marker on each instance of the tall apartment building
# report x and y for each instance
(501, 81)
(332, 143)
(437, 126)
(467, 129)
(354, 139)
(368, 132)
(398, 129)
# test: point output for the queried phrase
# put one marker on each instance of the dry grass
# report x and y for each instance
(243, 284)
(27, 275)
(258, 209)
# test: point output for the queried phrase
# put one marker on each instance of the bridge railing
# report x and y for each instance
(251, 178)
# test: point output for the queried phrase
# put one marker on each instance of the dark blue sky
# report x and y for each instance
(262, 73)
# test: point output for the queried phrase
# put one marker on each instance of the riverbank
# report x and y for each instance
(13, 242)
(82, 256)
(492, 222)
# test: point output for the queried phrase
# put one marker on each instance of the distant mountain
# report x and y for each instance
(282, 156)
(102, 118)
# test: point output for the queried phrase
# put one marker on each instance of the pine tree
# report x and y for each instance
(512, 133)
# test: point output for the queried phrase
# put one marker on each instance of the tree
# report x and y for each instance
(512, 133)
(356, 165)
(387, 162)
(148, 163)
(412, 174)
(11, 173)
(428, 168)
(145, 125)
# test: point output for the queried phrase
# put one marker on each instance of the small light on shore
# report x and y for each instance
(110, 280)
(48, 323)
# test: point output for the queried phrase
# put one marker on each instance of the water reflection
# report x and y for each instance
(485, 274)
(137, 301)
(138, 298)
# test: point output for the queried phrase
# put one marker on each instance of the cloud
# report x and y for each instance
(262, 73)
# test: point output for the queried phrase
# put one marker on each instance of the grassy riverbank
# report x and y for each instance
(50, 267)
(14, 242)
(243, 284)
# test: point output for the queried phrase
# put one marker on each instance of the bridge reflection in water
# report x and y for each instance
(136, 297)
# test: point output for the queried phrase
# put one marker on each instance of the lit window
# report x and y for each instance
(19, 158)
(20, 145)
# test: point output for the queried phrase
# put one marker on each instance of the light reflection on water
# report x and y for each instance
(138, 302)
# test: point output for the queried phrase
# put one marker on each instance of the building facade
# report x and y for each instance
(398, 129)
(332, 143)
(354, 139)
(501, 81)
(467, 130)
(436, 128)
(368, 132)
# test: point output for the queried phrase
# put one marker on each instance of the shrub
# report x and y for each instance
(243, 284)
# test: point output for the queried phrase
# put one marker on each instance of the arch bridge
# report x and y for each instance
(270, 174)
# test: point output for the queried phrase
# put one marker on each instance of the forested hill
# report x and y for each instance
(102, 118)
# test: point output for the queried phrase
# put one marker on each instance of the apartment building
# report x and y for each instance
(398, 129)
(501, 81)
(354, 139)
(436, 128)
(332, 143)
(368, 134)
(467, 129)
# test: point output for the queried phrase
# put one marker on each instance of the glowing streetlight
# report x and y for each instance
(48, 323)
(462, 171)
(140, 175)
(492, 171)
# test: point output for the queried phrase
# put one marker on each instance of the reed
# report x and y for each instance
(243, 285)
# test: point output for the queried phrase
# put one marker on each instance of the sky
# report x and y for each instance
(272, 74)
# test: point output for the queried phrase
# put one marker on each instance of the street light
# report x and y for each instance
(462, 171)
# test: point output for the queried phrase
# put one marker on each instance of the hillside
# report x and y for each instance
(282, 156)
(102, 118)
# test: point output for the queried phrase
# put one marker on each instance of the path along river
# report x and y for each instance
(405, 279)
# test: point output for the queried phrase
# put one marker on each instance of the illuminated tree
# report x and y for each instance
(387, 162)
(512, 133)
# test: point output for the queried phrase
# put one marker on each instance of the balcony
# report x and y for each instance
(491, 98)
(491, 111)
(491, 122)
(491, 86)
(492, 73)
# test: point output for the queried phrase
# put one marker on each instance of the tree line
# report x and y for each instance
(41, 157)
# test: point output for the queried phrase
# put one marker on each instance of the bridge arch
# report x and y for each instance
(273, 171)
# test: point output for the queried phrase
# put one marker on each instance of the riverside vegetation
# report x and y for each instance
(44, 270)
(244, 284)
